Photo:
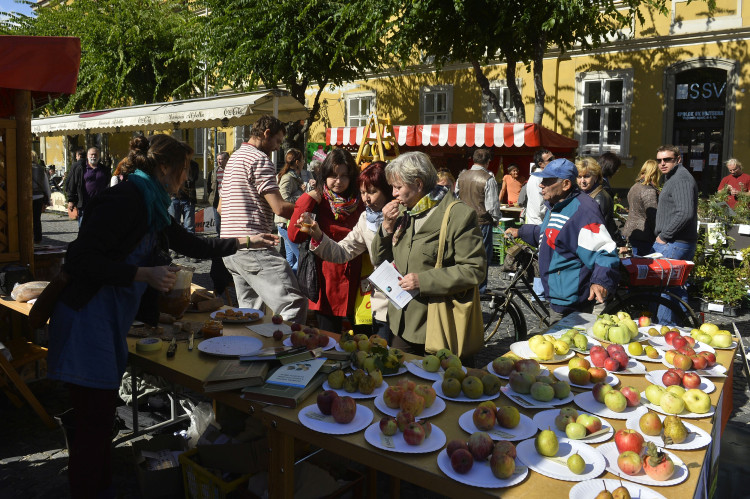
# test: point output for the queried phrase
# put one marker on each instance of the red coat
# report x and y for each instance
(338, 281)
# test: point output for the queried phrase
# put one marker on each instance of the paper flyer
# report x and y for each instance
(298, 374)
(386, 278)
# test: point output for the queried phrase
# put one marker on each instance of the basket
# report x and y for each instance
(202, 484)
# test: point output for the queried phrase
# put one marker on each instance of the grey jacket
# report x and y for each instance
(677, 213)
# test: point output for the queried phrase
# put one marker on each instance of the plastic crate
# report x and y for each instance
(200, 483)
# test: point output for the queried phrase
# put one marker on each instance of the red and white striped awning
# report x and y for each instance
(462, 134)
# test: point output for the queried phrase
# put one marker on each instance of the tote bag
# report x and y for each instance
(307, 273)
(454, 322)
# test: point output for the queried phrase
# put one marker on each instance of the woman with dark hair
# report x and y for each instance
(337, 208)
(291, 187)
(375, 193)
(116, 266)
(512, 184)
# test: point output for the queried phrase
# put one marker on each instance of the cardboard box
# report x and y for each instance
(162, 483)
(657, 271)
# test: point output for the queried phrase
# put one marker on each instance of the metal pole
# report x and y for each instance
(275, 154)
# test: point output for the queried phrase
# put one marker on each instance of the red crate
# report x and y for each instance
(657, 271)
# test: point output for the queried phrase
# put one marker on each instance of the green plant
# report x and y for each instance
(724, 285)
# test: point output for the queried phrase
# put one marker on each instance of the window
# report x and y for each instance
(503, 94)
(241, 134)
(603, 111)
(199, 147)
(221, 141)
(436, 104)
(358, 108)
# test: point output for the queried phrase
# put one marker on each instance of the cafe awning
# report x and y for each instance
(229, 110)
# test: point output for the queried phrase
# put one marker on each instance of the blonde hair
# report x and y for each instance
(650, 173)
(446, 175)
(590, 165)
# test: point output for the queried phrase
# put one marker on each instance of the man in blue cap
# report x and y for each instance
(578, 262)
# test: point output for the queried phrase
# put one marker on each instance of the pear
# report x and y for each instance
(581, 342)
(674, 430)
(576, 464)
(620, 492)
(546, 443)
(604, 494)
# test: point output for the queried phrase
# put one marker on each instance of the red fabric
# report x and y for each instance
(340, 280)
(46, 65)
(735, 182)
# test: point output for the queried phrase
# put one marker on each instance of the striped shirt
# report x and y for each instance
(248, 176)
(219, 178)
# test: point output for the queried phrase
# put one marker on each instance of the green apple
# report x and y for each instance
(542, 392)
(709, 328)
(654, 394)
(696, 401)
(600, 329)
(694, 332)
(635, 348)
(671, 403)
(615, 401)
(677, 390)
(721, 341)
(704, 338)
(575, 431)
(431, 363)
(619, 334)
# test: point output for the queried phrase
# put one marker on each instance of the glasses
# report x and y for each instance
(665, 160)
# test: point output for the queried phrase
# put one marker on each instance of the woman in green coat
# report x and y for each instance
(409, 237)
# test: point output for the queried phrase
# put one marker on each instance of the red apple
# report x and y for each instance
(277, 319)
(392, 396)
(691, 380)
(296, 326)
(644, 321)
(480, 445)
(325, 401)
(462, 461)
(406, 385)
(322, 340)
(629, 440)
(682, 362)
(679, 342)
(699, 361)
(598, 356)
(686, 350)
(691, 341)
(504, 447)
(343, 409)
(710, 357)
(278, 335)
(454, 445)
(414, 433)
(622, 359)
(388, 426)
(598, 374)
(677, 371)
(629, 462)
(670, 336)
(632, 395)
(611, 364)
(484, 418)
(403, 419)
(670, 378)
(311, 341)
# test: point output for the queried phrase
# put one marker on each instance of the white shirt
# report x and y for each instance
(535, 208)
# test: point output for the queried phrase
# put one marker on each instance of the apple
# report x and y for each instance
(296, 326)
(710, 357)
(650, 424)
(528, 366)
(542, 391)
(431, 364)
(671, 403)
(428, 393)
(592, 423)
(598, 374)
(615, 401)
(278, 335)
(681, 361)
(501, 365)
(508, 416)
(521, 382)
(311, 341)
(691, 380)
(629, 463)
(575, 431)
(277, 319)
(472, 387)
(670, 378)
(343, 409)
(722, 340)
(325, 401)
(632, 395)
(406, 385)
(622, 359)
(392, 396)
(669, 356)
(403, 419)
(451, 361)
(580, 376)
(414, 433)
(679, 372)
(679, 342)
(427, 426)
(699, 361)
(654, 394)
(562, 421)
(578, 362)
(502, 465)
(670, 336)
(598, 356)
(631, 440)
(462, 461)
(644, 321)
(454, 445)
(480, 445)
(600, 390)
(691, 341)
(611, 364)
(388, 426)
(504, 447)
(412, 402)
(322, 340)
(697, 401)
(483, 418)
(677, 390)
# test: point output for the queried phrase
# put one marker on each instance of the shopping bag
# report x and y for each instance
(362, 303)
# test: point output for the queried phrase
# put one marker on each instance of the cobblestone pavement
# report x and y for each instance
(33, 459)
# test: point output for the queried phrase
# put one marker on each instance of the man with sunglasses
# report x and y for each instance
(578, 262)
(676, 216)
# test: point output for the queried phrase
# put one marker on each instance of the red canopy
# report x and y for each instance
(46, 65)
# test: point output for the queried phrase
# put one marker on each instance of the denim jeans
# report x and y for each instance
(676, 251)
(487, 240)
(183, 211)
(292, 250)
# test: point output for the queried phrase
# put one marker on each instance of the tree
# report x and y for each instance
(128, 50)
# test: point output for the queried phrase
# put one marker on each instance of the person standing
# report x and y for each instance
(610, 163)
(217, 176)
(249, 198)
(512, 184)
(477, 188)
(291, 187)
(535, 207)
(737, 183)
(41, 195)
(643, 199)
(79, 161)
(182, 207)
(86, 182)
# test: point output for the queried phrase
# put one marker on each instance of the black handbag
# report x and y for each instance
(10, 275)
(307, 272)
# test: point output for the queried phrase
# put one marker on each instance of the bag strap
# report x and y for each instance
(596, 191)
(443, 231)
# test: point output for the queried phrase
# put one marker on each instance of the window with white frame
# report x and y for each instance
(603, 102)
(358, 108)
(501, 90)
(436, 104)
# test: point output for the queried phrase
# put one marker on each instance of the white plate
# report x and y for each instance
(586, 401)
(356, 395)
(591, 488)
(243, 310)
(230, 346)
(717, 370)
(646, 358)
(524, 430)
(633, 367)
(731, 347)
(562, 373)
(415, 367)
(655, 377)
(661, 344)
(522, 349)
(557, 467)
(362, 420)
(339, 349)
(531, 402)
(590, 340)
(436, 408)
(480, 474)
(396, 443)
(401, 370)
(644, 330)
(697, 438)
(331, 342)
(610, 453)
(684, 414)
(268, 328)
(437, 385)
(546, 420)
(543, 372)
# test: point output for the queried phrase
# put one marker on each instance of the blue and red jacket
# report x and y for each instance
(575, 251)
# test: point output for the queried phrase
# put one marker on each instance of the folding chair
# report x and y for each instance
(23, 353)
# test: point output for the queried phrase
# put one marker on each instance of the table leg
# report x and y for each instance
(395, 487)
(281, 464)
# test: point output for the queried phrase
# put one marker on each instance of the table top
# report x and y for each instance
(20, 307)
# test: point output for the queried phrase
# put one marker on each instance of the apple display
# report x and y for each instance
(480, 445)
(484, 418)
(615, 401)
(631, 440)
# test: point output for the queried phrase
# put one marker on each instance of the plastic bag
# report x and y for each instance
(28, 291)
(201, 416)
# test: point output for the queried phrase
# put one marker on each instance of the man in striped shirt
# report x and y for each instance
(249, 199)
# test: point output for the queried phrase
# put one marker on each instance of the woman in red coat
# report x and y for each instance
(336, 205)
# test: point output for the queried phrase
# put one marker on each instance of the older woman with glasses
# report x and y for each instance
(408, 237)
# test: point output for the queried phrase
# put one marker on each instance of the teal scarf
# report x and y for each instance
(156, 198)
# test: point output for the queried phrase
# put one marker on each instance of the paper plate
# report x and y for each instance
(717, 371)
(696, 439)
(587, 402)
(401, 370)
(591, 341)
(543, 372)
(529, 402)
(661, 344)
(684, 414)
(331, 342)
(244, 320)
(311, 417)
(524, 430)
(396, 443)
(591, 488)
(655, 377)
(546, 420)
(610, 453)
(230, 346)
(639, 337)
(415, 367)
(646, 358)
(436, 408)
(522, 349)
(356, 395)
(556, 467)
(480, 474)
(339, 349)
(267, 329)
(437, 385)
(633, 367)
(562, 373)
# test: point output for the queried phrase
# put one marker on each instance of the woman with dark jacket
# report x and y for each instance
(590, 182)
(117, 265)
(643, 199)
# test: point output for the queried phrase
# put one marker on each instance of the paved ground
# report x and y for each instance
(33, 459)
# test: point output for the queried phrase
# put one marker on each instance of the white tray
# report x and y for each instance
(697, 438)
(362, 420)
(396, 443)
(524, 430)
(546, 420)
(610, 453)
(556, 467)
(480, 474)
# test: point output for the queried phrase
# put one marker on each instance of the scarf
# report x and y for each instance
(340, 206)
(424, 205)
(374, 219)
(156, 199)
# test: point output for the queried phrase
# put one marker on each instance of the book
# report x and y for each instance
(386, 278)
(297, 374)
(284, 396)
(231, 374)
(274, 353)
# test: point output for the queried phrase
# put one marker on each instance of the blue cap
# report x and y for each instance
(560, 168)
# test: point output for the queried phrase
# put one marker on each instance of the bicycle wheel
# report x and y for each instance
(637, 303)
(504, 323)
